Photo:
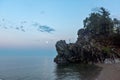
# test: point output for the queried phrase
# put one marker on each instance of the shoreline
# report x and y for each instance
(109, 72)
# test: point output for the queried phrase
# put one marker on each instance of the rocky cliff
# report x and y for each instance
(87, 49)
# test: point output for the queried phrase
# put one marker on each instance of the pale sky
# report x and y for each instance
(62, 17)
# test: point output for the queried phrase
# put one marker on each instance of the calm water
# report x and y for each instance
(43, 68)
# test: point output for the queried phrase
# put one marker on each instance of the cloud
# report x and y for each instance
(35, 24)
(23, 30)
(23, 26)
(5, 27)
(42, 12)
(17, 28)
(3, 19)
(45, 28)
(23, 22)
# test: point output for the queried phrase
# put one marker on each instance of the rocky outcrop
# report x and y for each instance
(63, 52)
(85, 50)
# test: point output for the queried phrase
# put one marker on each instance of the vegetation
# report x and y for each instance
(99, 23)
(106, 49)
(97, 41)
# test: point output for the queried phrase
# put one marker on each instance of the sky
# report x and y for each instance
(40, 23)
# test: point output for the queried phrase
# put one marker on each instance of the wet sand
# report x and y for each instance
(109, 72)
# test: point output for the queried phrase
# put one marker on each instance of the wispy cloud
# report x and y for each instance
(42, 12)
(45, 28)
(35, 24)
(23, 26)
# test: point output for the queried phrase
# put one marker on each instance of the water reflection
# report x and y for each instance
(77, 72)
(41, 68)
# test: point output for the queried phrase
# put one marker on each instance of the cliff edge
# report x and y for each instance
(96, 42)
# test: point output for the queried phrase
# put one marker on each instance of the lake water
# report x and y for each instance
(43, 68)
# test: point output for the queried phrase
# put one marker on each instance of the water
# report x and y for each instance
(43, 68)
(26, 68)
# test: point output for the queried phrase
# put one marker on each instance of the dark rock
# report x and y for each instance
(63, 52)
(60, 60)
(85, 50)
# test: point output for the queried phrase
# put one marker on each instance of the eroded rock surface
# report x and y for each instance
(85, 50)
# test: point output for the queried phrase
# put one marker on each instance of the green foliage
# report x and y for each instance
(106, 49)
(99, 23)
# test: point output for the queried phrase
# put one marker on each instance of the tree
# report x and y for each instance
(99, 23)
(116, 25)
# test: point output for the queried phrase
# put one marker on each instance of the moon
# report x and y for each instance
(46, 42)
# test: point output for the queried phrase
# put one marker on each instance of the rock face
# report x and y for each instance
(63, 52)
(85, 50)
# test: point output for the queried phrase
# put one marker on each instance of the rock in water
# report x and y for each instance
(85, 50)
(63, 52)
(96, 42)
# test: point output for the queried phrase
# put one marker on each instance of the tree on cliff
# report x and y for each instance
(97, 41)
(116, 25)
(99, 22)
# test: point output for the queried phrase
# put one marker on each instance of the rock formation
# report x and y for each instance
(85, 50)
(97, 41)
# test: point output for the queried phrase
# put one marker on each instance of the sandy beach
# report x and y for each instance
(109, 72)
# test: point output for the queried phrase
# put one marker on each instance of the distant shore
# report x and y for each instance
(109, 72)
